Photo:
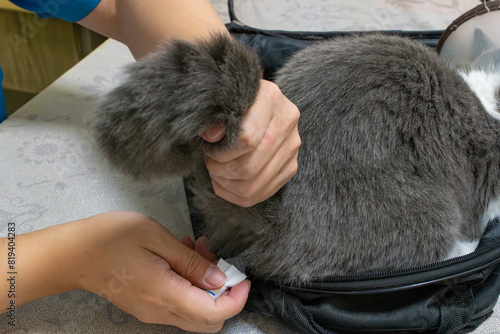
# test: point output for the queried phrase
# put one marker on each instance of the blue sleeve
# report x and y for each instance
(3, 109)
(69, 10)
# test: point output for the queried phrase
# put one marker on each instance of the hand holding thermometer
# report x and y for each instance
(234, 276)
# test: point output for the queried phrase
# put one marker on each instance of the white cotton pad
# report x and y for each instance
(234, 276)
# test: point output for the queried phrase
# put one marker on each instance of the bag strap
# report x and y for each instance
(284, 307)
(456, 312)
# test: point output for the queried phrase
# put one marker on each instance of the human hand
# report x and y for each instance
(266, 154)
(200, 247)
(140, 267)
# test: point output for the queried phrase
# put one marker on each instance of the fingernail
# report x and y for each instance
(215, 133)
(215, 277)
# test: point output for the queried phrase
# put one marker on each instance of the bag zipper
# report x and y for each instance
(400, 272)
(319, 285)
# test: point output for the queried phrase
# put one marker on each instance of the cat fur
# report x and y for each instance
(398, 166)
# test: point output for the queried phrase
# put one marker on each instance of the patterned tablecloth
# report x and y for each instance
(51, 173)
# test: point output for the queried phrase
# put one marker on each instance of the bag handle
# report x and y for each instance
(284, 307)
(456, 312)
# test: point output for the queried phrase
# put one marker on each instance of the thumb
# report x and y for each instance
(214, 134)
(196, 269)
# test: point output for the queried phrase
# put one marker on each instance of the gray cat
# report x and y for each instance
(399, 164)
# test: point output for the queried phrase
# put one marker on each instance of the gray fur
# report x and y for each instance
(150, 126)
(398, 160)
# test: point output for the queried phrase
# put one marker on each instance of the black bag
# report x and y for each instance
(274, 47)
(452, 296)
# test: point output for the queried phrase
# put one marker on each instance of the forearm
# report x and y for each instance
(144, 24)
(42, 265)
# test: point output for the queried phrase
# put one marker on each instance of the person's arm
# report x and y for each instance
(266, 157)
(145, 24)
(127, 258)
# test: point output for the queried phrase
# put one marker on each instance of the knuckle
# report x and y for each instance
(269, 139)
(248, 171)
(190, 263)
(217, 328)
(209, 321)
(292, 117)
(273, 89)
(212, 322)
(232, 168)
(295, 114)
(224, 171)
(239, 195)
(238, 170)
(297, 144)
(143, 318)
(248, 138)
(222, 184)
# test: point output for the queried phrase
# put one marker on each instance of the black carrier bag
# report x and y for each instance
(275, 45)
(453, 296)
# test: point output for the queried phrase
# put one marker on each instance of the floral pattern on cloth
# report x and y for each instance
(52, 171)
(338, 15)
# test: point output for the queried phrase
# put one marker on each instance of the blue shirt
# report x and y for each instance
(69, 10)
(3, 108)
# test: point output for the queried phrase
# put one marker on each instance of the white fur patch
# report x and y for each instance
(486, 86)
(462, 248)
(465, 247)
(492, 211)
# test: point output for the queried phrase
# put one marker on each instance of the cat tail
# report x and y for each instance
(149, 126)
